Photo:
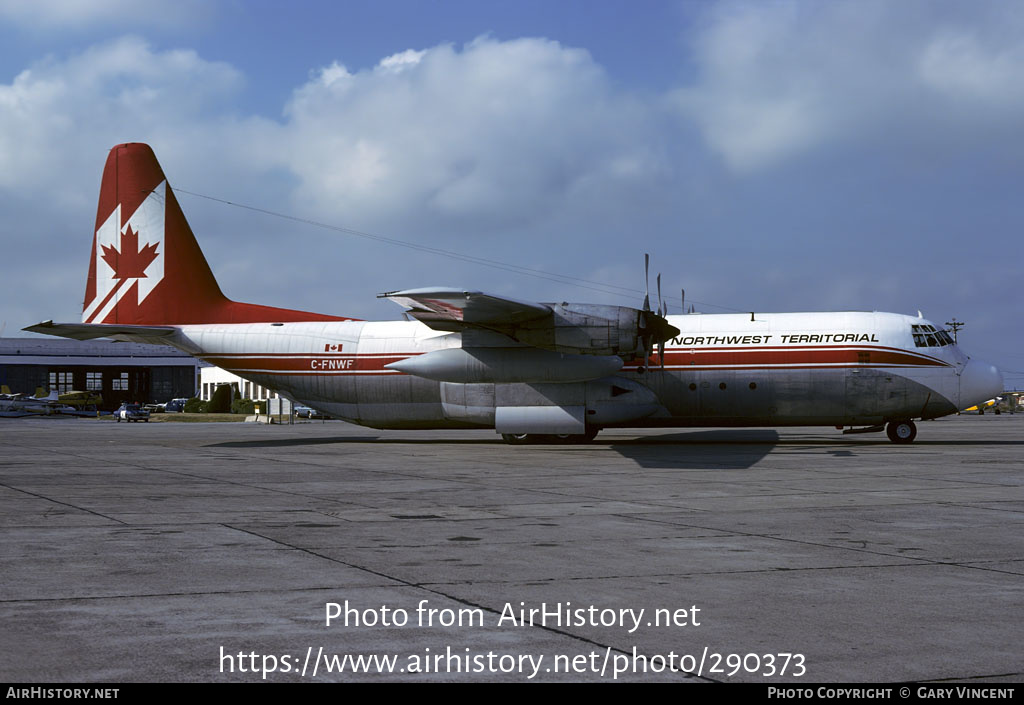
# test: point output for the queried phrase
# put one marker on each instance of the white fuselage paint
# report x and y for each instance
(777, 369)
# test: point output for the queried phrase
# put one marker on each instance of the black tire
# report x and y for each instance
(518, 439)
(572, 438)
(901, 431)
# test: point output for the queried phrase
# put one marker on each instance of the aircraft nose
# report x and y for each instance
(979, 382)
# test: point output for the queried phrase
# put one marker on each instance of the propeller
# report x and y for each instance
(654, 328)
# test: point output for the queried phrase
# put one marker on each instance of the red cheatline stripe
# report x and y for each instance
(738, 357)
(326, 373)
(302, 356)
(315, 363)
(809, 348)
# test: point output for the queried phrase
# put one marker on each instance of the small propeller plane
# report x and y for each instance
(17, 405)
(535, 372)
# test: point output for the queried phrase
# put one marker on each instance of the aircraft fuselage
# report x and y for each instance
(842, 369)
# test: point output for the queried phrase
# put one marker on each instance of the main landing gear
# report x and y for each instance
(901, 431)
(522, 439)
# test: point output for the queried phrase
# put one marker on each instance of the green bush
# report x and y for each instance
(220, 402)
(243, 406)
(195, 405)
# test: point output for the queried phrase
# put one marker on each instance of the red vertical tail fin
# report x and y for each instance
(146, 267)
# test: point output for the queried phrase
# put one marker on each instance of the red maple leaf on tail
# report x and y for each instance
(131, 262)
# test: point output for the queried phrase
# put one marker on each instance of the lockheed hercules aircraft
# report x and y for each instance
(535, 372)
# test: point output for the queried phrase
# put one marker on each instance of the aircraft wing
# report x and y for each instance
(485, 320)
(89, 331)
(450, 309)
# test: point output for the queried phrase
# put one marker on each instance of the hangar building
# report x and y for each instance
(119, 371)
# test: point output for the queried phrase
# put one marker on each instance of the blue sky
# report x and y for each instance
(769, 155)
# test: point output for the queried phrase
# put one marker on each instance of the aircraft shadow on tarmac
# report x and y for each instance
(726, 449)
(722, 448)
(695, 449)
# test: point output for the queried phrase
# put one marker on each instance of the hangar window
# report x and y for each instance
(928, 337)
(61, 382)
(120, 383)
(94, 381)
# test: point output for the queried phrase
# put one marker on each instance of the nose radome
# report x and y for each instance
(979, 382)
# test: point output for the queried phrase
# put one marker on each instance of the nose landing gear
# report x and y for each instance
(901, 431)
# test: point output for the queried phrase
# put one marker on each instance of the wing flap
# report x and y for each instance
(452, 309)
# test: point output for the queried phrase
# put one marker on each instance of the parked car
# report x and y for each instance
(175, 405)
(131, 412)
(303, 412)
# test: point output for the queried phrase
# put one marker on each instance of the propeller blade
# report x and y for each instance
(661, 354)
(659, 295)
(683, 300)
(647, 282)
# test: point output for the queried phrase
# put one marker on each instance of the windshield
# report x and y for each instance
(926, 336)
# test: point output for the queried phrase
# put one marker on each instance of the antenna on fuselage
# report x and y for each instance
(954, 326)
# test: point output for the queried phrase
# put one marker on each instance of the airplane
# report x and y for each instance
(74, 398)
(86, 401)
(18, 405)
(980, 407)
(534, 372)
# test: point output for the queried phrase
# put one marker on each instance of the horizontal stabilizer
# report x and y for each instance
(89, 331)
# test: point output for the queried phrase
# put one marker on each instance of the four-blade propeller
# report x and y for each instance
(654, 326)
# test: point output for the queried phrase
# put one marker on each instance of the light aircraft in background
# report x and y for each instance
(18, 405)
(535, 372)
(980, 407)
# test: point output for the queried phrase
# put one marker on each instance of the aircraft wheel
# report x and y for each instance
(575, 438)
(901, 431)
(119, 419)
(518, 439)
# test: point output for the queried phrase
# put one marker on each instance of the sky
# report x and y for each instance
(769, 155)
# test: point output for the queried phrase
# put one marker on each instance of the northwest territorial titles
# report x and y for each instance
(560, 614)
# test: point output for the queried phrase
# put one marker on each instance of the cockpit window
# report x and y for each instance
(926, 336)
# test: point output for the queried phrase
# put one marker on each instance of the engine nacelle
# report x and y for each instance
(507, 365)
(590, 329)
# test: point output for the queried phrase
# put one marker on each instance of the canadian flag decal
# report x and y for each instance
(128, 252)
(332, 347)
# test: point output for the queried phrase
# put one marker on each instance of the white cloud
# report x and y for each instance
(77, 15)
(497, 132)
(52, 113)
(776, 80)
(960, 66)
